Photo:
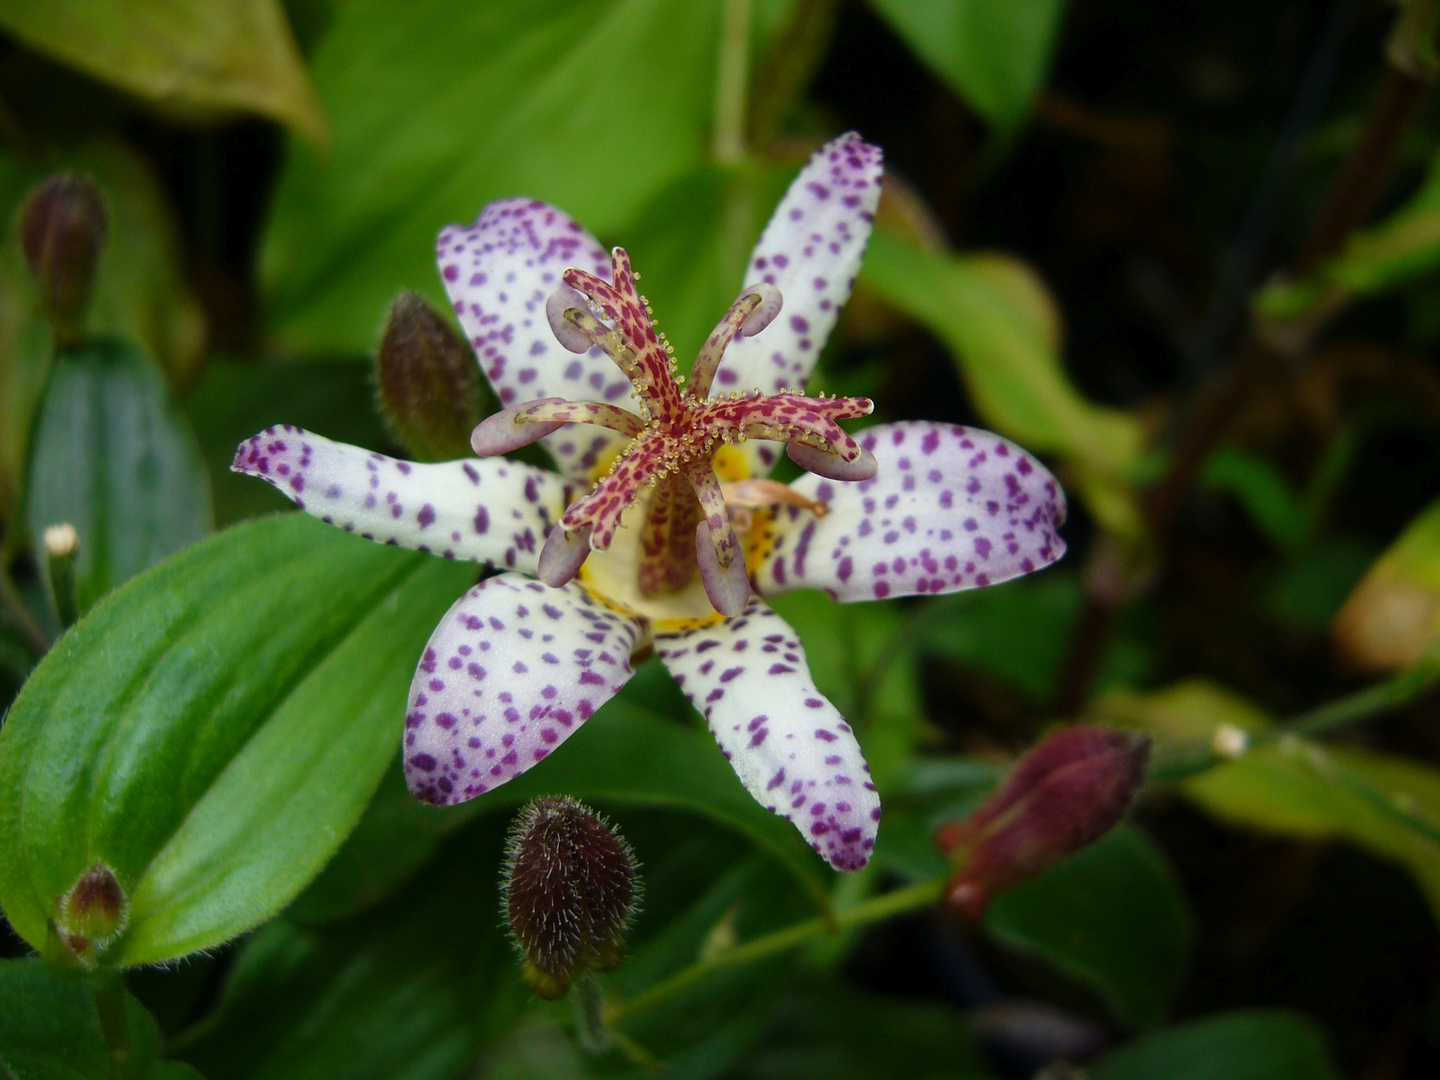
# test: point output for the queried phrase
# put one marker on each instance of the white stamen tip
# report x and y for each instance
(728, 589)
(563, 555)
(567, 333)
(761, 317)
(832, 466)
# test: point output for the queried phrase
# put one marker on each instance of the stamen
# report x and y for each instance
(566, 332)
(563, 555)
(832, 464)
(755, 494)
(752, 311)
(512, 428)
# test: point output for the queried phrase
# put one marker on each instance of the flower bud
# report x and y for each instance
(62, 229)
(1066, 792)
(94, 910)
(569, 892)
(429, 382)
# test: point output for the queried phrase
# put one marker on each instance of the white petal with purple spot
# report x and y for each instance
(949, 508)
(483, 510)
(513, 669)
(790, 747)
(499, 273)
(811, 252)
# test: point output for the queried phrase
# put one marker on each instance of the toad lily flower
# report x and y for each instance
(660, 526)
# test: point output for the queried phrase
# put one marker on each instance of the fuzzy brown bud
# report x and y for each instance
(1066, 792)
(429, 382)
(569, 892)
(94, 909)
(62, 230)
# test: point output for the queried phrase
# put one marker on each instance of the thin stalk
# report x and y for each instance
(35, 637)
(732, 81)
(114, 1021)
(911, 898)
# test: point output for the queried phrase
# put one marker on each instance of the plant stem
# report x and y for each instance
(1400, 689)
(114, 1023)
(732, 83)
(910, 898)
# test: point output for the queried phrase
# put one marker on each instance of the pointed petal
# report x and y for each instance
(484, 510)
(500, 272)
(949, 508)
(790, 747)
(513, 669)
(811, 252)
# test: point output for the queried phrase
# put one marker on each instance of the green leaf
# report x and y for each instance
(814, 1035)
(1264, 493)
(441, 106)
(213, 730)
(140, 291)
(116, 458)
(185, 55)
(50, 1030)
(1002, 326)
(1255, 1045)
(1398, 249)
(1387, 805)
(993, 53)
(1113, 917)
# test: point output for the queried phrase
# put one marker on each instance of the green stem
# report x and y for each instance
(114, 1023)
(1400, 689)
(732, 83)
(911, 898)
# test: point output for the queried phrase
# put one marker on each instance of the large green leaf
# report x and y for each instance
(1231, 1046)
(116, 458)
(50, 1030)
(140, 292)
(1113, 917)
(184, 54)
(1002, 326)
(213, 730)
(994, 53)
(440, 106)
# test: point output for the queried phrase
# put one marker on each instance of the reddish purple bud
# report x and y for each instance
(1066, 792)
(62, 229)
(428, 381)
(569, 892)
(90, 914)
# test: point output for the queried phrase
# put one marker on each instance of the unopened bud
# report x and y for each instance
(1066, 792)
(569, 892)
(62, 544)
(429, 382)
(94, 909)
(62, 229)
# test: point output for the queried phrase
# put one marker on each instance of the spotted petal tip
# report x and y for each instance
(790, 747)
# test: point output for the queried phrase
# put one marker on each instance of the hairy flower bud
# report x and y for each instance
(92, 912)
(62, 229)
(569, 892)
(1066, 792)
(429, 383)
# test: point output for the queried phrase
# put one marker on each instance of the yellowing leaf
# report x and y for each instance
(186, 54)
(1003, 327)
(1393, 616)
